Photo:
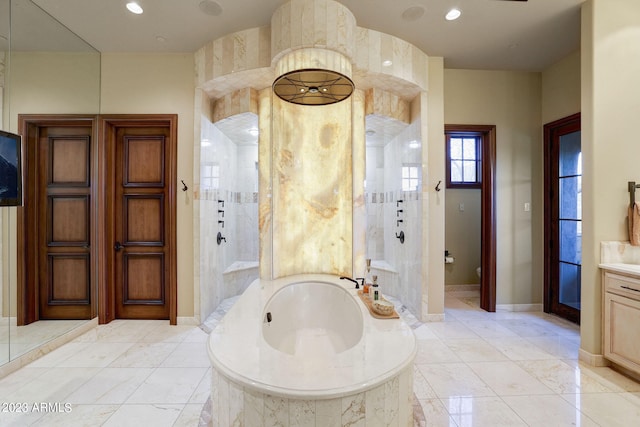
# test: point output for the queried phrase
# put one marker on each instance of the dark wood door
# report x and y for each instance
(64, 223)
(143, 224)
(55, 266)
(563, 218)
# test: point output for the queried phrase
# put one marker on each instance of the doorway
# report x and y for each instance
(139, 165)
(97, 231)
(484, 165)
(563, 217)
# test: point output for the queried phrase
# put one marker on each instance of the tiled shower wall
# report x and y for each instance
(228, 197)
(398, 265)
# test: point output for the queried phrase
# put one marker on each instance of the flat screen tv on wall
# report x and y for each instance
(10, 169)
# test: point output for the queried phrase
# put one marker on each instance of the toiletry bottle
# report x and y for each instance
(367, 278)
(376, 289)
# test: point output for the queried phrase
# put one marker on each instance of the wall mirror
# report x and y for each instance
(44, 69)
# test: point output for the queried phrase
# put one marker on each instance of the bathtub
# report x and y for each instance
(303, 350)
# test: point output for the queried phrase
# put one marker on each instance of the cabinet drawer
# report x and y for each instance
(622, 285)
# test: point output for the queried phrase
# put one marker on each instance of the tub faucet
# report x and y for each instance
(354, 280)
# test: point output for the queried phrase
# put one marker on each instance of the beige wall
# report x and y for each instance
(433, 201)
(160, 83)
(53, 83)
(561, 89)
(512, 102)
(462, 235)
(610, 64)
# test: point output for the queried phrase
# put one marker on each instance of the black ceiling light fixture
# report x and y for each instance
(313, 87)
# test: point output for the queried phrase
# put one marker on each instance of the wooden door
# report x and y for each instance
(563, 218)
(55, 238)
(141, 230)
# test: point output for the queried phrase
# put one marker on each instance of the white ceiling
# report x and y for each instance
(490, 34)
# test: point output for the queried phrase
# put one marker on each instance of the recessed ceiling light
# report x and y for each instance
(134, 7)
(387, 63)
(370, 132)
(253, 131)
(453, 14)
(414, 144)
(205, 143)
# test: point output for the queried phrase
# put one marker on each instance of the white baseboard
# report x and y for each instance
(433, 317)
(189, 321)
(519, 307)
(591, 359)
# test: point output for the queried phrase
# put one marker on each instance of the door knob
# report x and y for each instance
(118, 247)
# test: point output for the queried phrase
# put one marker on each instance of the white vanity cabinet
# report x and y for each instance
(621, 318)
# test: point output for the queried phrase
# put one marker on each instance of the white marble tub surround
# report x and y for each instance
(377, 369)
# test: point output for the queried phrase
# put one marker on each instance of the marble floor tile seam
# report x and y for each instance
(606, 409)
(65, 397)
(30, 391)
(32, 379)
(108, 412)
(491, 341)
(479, 422)
(488, 389)
(632, 397)
(151, 383)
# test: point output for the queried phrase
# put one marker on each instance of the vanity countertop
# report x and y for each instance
(620, 267)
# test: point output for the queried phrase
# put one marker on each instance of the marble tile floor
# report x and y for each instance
(125, 373)
(17, 340)
(473, 369)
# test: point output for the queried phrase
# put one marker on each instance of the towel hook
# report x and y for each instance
(632, 192)
(438, 185)
(184, 186)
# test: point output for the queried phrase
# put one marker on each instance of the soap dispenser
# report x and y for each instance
(375, 290)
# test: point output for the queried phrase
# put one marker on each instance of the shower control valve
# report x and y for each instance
(220, 238)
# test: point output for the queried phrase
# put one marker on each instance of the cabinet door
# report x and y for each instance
(621, 323)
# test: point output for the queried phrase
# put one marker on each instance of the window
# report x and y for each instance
(464, 160)
(210, 175)
(410, 177)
